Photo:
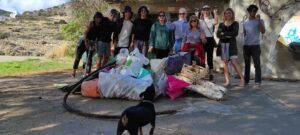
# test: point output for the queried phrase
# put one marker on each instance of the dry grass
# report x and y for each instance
(58, 51)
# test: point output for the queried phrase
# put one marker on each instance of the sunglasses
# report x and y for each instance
(193, 20)
(181, 13)
(254, 11)
(161, 15)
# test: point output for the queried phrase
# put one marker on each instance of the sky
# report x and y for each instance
(20, 6)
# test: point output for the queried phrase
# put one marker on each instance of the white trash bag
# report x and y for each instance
(134, 63)
(122, 57)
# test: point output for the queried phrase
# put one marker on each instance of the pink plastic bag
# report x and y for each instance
(175, 88)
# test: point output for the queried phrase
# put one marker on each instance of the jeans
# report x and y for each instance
(254, 52)
(177, 45)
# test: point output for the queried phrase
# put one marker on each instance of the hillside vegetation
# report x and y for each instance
(33, 33)
(43, 32)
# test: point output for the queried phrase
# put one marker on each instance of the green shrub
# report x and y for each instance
(4, 35)
(71, 31)
(82, 12)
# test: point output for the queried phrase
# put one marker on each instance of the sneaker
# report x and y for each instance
(257, 83)
(73, 75)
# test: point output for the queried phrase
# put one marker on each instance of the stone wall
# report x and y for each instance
(172, 6)
(276, 60)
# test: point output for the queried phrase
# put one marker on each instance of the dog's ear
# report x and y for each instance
(150, 91)
(142, 94)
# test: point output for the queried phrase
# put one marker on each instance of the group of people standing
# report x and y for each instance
(163, 36)
(227, 33)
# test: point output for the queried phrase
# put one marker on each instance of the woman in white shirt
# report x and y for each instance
(208, 22)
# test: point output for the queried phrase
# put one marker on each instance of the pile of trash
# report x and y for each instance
(132, 74)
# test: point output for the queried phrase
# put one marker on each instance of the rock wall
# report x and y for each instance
(276, 60)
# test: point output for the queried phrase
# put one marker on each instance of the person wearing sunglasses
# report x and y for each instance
(194, 40)
(180, 27)
(253, 27)
(159, 40)
(208, 22)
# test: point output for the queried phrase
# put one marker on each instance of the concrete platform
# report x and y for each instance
(31, 105)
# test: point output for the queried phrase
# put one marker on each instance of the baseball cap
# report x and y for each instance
(113, 11)
(205, 6)
(127, 9)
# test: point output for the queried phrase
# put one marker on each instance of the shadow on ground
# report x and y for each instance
(32, 105)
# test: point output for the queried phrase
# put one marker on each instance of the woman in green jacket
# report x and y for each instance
(159, 40)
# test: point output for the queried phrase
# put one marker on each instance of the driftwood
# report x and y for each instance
(192, 74)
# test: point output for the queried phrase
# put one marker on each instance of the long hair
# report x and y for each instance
(127, 9)
(97, 15)
(233, 15)
(194, 17)
(140, 10)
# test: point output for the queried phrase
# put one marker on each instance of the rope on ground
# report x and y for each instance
(76, 87)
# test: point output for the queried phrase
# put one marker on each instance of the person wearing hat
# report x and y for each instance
(207, 23)
(141, 31)
(113, 15)
(197, 12)
(122, 36)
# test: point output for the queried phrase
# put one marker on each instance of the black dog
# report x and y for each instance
(135, 117)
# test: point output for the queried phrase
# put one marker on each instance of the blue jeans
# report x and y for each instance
(177, 45)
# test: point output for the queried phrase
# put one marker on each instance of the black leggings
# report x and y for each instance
(80, 49)
(160, 53)
(209, 50)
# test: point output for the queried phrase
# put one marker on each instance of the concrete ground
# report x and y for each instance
(31, 105)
